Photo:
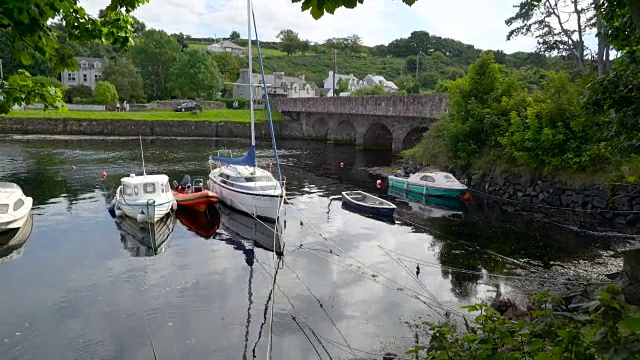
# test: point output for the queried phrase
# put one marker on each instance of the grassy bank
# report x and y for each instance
(214, 115)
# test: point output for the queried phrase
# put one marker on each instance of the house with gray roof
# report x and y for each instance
(278, 85)
(372, 80)
(89, 72)
(226, 46)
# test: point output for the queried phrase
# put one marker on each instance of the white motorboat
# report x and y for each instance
(146, 198)
(14, 206)
(239, 182)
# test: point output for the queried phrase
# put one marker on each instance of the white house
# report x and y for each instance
(226, 46)
(89, 73)
(354, 83)
(278, 85)
(372, 80)
(352, 80)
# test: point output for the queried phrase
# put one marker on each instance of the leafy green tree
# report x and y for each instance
(319, 7)
(81, 92)
(290, 42)
(342, 86)
(183, 40)
(105, 93)
(546, 21)
(228, 65)
(125, 77)
(555, 132)
(30, 24)
(155, 53)
(377, 89)
(195, 76)
(22, 88)
(428, 80)
(305, 46)
(234, 35)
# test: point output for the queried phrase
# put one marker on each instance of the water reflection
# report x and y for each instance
(250, 231)
(12, 241)
(430, 206)
(146, 239)
(202, 223)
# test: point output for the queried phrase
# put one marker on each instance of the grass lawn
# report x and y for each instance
(207, 115)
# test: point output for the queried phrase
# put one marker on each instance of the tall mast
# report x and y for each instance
(253, 136)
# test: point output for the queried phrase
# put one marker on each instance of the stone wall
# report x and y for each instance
(421, 106)
(172, 128)
(613, 204)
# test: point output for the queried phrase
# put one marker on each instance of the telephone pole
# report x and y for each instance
(417, 64)
(335, 68)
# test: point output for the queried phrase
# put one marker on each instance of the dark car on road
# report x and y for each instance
(188, 106)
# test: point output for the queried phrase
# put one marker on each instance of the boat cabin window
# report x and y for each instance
(136, 190)
(427, 178)
(149, 188)
(257, 179)
(18, 204)
(167, 187)
(127, 190)
(448, 177)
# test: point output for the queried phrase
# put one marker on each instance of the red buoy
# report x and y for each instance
(104, 174)
(341, 164)
(379, 184)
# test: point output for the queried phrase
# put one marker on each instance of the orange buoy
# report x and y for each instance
(466, 196)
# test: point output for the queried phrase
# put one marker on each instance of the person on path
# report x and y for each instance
(118, 106)
(125, 106)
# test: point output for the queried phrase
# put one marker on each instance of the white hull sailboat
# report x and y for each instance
(239, 182)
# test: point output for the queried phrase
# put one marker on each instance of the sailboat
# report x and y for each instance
(239, 182)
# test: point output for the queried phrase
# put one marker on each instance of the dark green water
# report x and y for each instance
(76, 290)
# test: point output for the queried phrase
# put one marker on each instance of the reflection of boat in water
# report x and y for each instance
(146, 239)
(431, 206)
(204, 223)
(13, 240)
(246, 227)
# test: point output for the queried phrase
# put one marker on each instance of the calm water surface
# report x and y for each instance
(81, 288)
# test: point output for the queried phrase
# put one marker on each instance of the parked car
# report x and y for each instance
(188, 106)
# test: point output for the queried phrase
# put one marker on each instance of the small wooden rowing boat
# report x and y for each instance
(364, 202)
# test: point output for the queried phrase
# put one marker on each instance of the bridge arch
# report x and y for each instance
(345, 133)
(320, 128)
(378, 136)
(413, 137)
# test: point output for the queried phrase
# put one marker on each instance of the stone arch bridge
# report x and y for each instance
(391, 122)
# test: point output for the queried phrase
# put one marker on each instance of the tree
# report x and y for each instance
(77, 92)
(182, 39)
(318, 7)
(32, 35)
(155, 54)
(125, 77)
(195, 75)
(547, 22)
(342, 86)
(289, 41)
(234, 35)
(105, 93)
(228, 65)
(305, 45)
(376, 89)
(21, 88)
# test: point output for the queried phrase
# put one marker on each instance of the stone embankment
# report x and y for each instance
(171, 128)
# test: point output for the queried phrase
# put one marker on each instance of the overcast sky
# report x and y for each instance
(477, 22)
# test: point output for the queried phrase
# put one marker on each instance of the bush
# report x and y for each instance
(79, 91)
(105, 93)
(377, 89)
(606, 328)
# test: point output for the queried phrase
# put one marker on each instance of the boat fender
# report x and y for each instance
(141, 217)
(174, 204)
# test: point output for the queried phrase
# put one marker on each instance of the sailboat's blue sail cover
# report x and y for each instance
(247, 160)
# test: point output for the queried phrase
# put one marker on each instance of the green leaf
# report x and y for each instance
(633, 324)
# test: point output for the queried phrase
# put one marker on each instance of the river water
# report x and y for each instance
(346, 285)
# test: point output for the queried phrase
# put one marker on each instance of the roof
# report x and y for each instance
(378, 79)
(342, 76)
(89, 60)
(144, 178)
(227, 44)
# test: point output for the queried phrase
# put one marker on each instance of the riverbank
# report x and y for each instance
(206, 125)
(220, 115)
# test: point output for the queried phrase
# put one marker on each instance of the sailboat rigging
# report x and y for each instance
(240, 182)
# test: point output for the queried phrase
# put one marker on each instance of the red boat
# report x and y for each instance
(193, 196)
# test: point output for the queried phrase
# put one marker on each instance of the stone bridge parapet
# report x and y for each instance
(396, 121)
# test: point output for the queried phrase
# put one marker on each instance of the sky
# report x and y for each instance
(480, 23)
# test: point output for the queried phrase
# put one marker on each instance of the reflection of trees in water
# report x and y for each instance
(463, 285)
(41, 180)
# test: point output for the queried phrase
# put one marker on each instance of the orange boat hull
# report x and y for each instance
(198, 201)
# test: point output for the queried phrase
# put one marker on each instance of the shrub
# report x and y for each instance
(105, 93)
(80, 91)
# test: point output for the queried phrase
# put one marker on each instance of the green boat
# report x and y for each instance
(433, 183)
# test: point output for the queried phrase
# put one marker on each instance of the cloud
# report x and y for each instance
(480, 23)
